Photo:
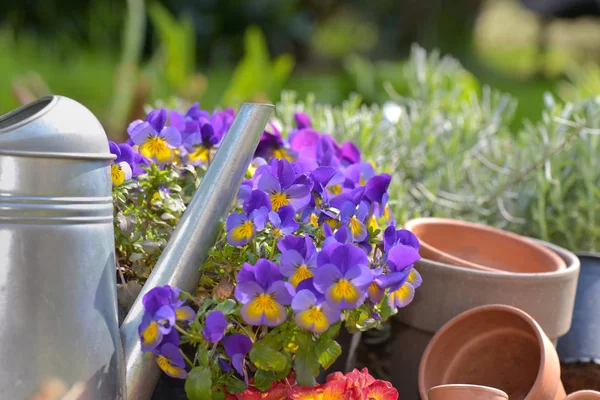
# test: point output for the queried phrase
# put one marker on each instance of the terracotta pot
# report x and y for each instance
(448, 291)
(584, 395)
(497, 346)
(481, 247)
(466, 392)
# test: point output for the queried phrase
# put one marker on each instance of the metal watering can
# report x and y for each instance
(57, 261)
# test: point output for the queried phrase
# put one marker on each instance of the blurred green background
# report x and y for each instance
(114, 56)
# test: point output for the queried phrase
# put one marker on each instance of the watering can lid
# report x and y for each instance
(53, 126)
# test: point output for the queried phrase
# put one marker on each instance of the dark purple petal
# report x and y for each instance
(302, 120)
(166, 318)
(238, 363)
(290, 242)
(237, 344)
(385, 281)
(215, 326)
(350, 153)
(284, 172)
(260, 217)
(269, 183)
(157, 118)
(347, 211)
(246, 273)
(389, 237)
(348, 255)
(256, 200)
(127, 154)
(235, 219)
(325, 276)
(289, 261)
(224, 365)
(343, 235)
(303, 300)
(298, 195)
(156, 298)
(177, 120)
(408, 238)
(114, 149)
(246, 291)
(308, 284)
(376, 187)
(173, 353)
(400, 257)
(283, 292)
(171, 337)
(266, 272)
(324, 256)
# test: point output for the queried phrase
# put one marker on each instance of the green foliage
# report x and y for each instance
(267, 358)
(198, 385)
(306, 362)
(256, 76)
(327, 351)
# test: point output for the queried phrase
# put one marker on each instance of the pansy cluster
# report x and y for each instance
(310, 245)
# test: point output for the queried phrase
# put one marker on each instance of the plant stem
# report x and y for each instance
(190, 363)
(185, 333)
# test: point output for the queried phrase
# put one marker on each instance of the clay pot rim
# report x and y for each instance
(479, 388)
(575, 395)
(410, 224)
(542, 341)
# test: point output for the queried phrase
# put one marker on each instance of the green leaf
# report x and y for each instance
(226, 306)
(235, 385)
(332, 331)
(386, 311)
(264, 379)
(202, 355)
(198, 385)
(306, 363)
(267, 358)
(328, 351)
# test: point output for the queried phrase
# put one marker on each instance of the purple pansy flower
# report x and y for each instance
(298, 264)
(271, 144)
(236, 348)
(162, 308)
(354, 218)
(349, 153)
(215, 326)
(358, 174)
(283, 221)
(171, 361)
(284, 186)
(242, 226)
(302, 120)
(121, 168)
(155, 140)
(392, 237)
(139, 162)
(263, 293)
(376, 188)
(312, 312)
(343, 275)
(188, 123)
(201, 142)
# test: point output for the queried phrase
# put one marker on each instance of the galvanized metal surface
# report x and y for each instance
(196, 233)
(57, 263)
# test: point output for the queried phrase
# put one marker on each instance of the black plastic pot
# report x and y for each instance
(582, 342)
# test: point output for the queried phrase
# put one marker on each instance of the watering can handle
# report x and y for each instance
(196, 233)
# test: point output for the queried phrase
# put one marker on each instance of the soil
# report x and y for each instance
(580, 376)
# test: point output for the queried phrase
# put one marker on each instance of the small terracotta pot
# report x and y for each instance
(466, 392)
(481, 247)
(448, 291)
(584, 395)
(497, 346)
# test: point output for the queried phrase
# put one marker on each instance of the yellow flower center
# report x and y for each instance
(277, 233)
(355, 225)
(314, 220)
(246, 229)
(282, 154)
(117, 175)
(279, 200)
(333, 223)
(343, 289)
(302, 273)
(156, 147)
(201, 154)
(373, 223)
(335, 189)
(386, 212)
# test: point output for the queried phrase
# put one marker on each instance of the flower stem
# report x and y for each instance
(190, 335)
(190, 363)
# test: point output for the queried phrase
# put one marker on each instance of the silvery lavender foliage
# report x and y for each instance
(451, 153)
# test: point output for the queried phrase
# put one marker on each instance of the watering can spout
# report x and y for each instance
(179, 264)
